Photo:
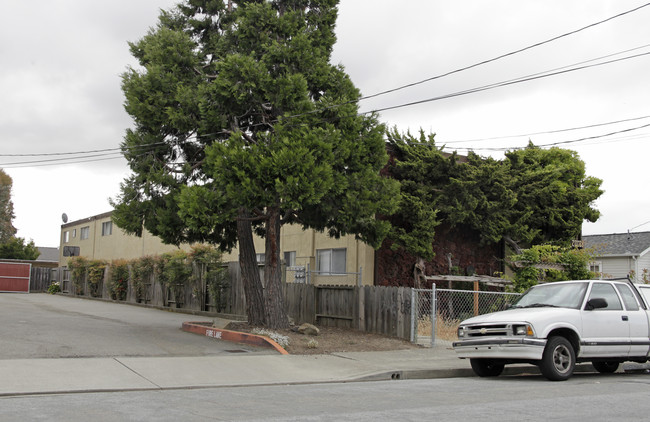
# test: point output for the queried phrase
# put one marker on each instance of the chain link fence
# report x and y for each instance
(437, 313)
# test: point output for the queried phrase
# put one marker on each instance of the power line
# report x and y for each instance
(504, 55)
(45, 154)
(501, 84)
(586, 138)
(548, 132)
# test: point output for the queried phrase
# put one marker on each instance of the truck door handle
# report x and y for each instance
(624, 318)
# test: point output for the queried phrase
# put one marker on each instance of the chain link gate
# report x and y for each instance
(423, 315)
(436, 313)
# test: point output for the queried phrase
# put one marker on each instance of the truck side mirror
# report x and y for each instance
(596, 303)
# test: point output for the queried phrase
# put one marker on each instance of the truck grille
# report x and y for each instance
(488, 330)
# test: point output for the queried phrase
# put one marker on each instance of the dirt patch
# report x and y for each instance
(332, 340)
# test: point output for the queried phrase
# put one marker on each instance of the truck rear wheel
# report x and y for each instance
(486, 367)
(558, 360)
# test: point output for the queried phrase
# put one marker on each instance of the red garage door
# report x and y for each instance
(14, 277)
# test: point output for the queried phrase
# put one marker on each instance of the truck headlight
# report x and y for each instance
(523, 330)
(461, 332)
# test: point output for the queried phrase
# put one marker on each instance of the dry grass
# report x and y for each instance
(446, 329)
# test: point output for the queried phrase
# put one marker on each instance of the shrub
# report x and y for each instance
(78, 266)
(119, 279)
(54, 288)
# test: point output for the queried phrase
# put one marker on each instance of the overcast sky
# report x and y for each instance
(61, 60)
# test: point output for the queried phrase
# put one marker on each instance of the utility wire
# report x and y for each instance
(552, 144)
(548, 132)
(80, 152)
(500, 84)
(506, 54)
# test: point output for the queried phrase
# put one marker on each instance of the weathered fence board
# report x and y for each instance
(376, 309)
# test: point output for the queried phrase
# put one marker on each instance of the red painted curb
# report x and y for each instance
(206, 329)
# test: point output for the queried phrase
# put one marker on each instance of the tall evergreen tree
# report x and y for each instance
(242, 125)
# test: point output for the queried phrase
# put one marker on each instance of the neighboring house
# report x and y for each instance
(329, 260)
(620, 254)
(49, 255)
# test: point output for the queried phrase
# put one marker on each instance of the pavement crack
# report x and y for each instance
(137, 373)
(344, 357)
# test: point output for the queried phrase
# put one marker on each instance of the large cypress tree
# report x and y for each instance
(242, 125)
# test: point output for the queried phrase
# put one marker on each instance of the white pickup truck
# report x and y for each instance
(555, 325)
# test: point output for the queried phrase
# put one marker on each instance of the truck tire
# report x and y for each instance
(558, 360)
(486, 367)
(605, 367)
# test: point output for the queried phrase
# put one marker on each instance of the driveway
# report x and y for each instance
(39, 325)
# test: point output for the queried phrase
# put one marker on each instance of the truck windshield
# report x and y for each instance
(562, 295)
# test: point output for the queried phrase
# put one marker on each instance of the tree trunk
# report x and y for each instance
(276, 316)
(249, 272)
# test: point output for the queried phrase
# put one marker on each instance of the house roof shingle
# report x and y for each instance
(618, 243)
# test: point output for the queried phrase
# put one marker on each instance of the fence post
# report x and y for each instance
(476, 289)
(413, 313)
(433, 314)
(362, 308)
(308, 274)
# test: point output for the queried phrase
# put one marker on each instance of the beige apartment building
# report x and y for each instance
(344, 261)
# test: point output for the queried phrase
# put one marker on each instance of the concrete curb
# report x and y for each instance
(206, 329)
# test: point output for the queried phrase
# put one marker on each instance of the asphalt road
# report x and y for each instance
(55, 326)
(620, 397)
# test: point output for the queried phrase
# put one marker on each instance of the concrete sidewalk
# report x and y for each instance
(54, 376)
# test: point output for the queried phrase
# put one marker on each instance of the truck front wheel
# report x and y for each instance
(558, 360)
(486, 367)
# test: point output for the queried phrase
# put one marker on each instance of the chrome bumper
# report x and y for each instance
(500, 348)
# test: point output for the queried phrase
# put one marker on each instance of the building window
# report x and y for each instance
(261, 258)
(66, 236)
(107, 228)
(596, 267)
(84, 233)
(74, 233)
(331, 261)
(290, 259)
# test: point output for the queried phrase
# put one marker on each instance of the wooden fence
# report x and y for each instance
(375, 309)
(40, 278)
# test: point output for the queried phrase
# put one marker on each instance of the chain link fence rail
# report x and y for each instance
(437, 313)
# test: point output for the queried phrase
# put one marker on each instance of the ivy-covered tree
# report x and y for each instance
(549, 263)
(531, 196)
(554, 194)
(242, 125)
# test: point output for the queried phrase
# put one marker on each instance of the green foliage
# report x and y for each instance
(78, 266)
(240, 115)
(550, 263)
(142, 269)
(54, 288)
(214, 272)
(119, 279)
(16, 248)
(175, 271)
(7, 229)
(95, 271)
(175, 268)
(532, 196)
(554, 196)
